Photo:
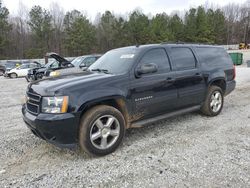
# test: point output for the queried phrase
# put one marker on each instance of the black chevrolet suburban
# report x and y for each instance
(128, 87)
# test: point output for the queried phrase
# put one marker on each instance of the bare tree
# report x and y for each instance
(57, 14)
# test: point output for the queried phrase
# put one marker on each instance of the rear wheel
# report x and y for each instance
(102, 129)
(214, 101)
(13, 75)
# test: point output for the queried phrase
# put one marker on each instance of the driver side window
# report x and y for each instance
(159, 57)
(88, 61)
(24, 67)
(54, 65)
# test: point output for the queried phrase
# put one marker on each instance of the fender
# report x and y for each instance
(216, 76)
(99, 95)
(120, 101)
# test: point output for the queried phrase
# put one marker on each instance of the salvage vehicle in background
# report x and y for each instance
(58, 63)
(7, 66)
(79, 64)
(22, 70)
(61, 66)
(125, 88)
(2, 69)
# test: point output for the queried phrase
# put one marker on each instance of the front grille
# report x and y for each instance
(33, 103)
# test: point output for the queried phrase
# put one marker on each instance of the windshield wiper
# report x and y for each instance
(101, 70)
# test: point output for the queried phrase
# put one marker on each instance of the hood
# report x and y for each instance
(58, 58)
(67, 71)
(52, 85)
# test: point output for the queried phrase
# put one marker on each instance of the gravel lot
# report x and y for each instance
(185, 151)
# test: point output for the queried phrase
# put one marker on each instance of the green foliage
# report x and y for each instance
(106, 31)
(203, 29)
(190, 26)
(4, 30)
(41, 28)
(34, 53)
(79, 34)
(160, 28)
(176, 27)
(139, 28)
(216, 20)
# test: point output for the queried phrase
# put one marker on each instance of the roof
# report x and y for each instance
(169, 44)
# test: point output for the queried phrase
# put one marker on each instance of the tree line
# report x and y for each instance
(32, 33)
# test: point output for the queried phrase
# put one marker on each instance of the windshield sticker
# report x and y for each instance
(127, 56)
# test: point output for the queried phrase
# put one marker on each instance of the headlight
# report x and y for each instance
(54, 73)
(55, 104)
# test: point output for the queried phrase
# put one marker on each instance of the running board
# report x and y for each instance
(164, 116)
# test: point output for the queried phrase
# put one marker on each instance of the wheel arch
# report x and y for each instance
(220, 82)
(116, 101)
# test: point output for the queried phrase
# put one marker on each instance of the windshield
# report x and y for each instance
(11, 65)
(116, 61)
(76, 62)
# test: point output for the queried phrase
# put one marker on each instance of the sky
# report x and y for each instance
(92, 7)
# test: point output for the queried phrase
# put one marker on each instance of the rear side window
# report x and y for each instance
(158, 57)
(183, 58)
(212, 56)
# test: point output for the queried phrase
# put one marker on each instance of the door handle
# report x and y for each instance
(170, 80)
(197, 74)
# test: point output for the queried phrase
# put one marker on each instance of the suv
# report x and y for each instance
(128, 87)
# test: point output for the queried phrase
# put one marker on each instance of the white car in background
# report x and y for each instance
(22, 70)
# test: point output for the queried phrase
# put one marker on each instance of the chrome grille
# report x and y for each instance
(33, 103)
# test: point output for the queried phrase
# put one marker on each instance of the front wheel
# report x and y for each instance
(214, 101)
(38, 76)
(13, 75)
(102, 129)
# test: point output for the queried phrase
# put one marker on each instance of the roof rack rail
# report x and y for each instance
(180, 42)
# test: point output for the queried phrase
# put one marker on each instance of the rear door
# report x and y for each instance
(154, 93)
(189, 79)
(23, 71)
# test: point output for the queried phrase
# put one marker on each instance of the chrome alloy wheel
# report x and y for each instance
(104, 132)
(216, 101)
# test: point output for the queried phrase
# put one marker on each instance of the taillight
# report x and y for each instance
(234, 74)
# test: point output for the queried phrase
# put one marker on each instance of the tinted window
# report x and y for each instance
(25, 66)
(88, 61)
(55, 65)
(183, 58)
(158, 57)
(213, 56)
(33, 65)
(77, 61)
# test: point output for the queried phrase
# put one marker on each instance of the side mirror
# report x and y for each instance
(146, 69)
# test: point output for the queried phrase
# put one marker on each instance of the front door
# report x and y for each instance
(154, 93)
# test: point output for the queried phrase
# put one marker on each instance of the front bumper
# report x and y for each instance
(230, 87)
(58, 129)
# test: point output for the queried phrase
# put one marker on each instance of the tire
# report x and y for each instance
(214, 101)
(38, 76)
(94, 123)
(1, 72)
(13, 75)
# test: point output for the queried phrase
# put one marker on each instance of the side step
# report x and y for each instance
(164, 116)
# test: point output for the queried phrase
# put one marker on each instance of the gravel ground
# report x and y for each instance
(185, 151)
